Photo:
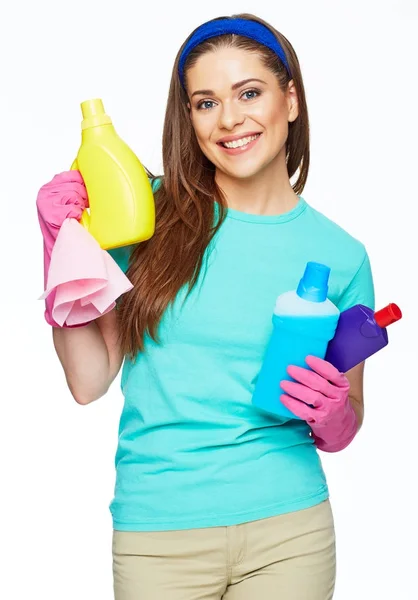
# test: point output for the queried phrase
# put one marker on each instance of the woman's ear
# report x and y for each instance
(292, 102)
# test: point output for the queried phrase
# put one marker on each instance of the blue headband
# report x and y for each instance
(250, 29)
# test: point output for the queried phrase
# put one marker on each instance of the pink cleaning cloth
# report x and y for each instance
(86, 279)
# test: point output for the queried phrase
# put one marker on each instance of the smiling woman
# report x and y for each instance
(213, 497)
(256, 119)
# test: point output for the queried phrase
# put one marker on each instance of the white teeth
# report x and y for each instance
(241, 142)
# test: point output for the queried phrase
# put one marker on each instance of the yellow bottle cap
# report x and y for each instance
(94, 114)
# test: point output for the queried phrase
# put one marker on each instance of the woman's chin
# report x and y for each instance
(246, 171)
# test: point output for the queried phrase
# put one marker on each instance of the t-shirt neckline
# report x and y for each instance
(238, 215)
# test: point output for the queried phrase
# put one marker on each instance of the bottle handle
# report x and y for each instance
(85, 215)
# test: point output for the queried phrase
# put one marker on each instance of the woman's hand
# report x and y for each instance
(65, 196)
(330, 414)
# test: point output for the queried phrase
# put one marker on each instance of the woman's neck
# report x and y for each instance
(266, 193)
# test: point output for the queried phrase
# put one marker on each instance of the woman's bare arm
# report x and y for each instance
(356, 396)
(90, 356)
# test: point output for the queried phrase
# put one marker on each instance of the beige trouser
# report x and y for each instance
(289, 557)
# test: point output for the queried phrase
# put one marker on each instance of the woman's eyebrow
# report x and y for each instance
(233, 87)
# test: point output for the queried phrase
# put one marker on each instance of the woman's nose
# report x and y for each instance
(230, 115)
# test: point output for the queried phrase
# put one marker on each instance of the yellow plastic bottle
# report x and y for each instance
(121, 202)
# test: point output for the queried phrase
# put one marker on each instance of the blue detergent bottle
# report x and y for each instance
(304, 321)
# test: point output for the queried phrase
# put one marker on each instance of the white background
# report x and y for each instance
(57, 472)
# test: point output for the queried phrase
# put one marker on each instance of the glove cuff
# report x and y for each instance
(336, 437)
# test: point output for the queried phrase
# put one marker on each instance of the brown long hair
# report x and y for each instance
(185, 209)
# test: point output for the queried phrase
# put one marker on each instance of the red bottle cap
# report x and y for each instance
(388, 315)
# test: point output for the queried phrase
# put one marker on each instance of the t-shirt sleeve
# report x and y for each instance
(360, 289)
(122, 255)
(155, 183)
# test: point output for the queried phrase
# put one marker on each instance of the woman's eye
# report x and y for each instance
(205, 105)
(251, 94)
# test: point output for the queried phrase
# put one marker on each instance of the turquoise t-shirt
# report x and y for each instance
(192, 450)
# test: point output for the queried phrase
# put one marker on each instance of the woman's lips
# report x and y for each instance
(240, 149)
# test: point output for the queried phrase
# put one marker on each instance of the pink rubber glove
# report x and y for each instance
(332, 420)
(63, 197)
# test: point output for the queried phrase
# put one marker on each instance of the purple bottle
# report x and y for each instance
(360, 333)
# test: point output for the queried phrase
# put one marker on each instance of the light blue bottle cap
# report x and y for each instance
(314, 284)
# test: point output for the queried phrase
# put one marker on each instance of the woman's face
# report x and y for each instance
(238, 111)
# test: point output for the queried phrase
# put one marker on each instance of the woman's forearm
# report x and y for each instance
(84, 357)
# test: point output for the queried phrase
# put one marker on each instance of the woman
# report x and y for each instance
(214, 499)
